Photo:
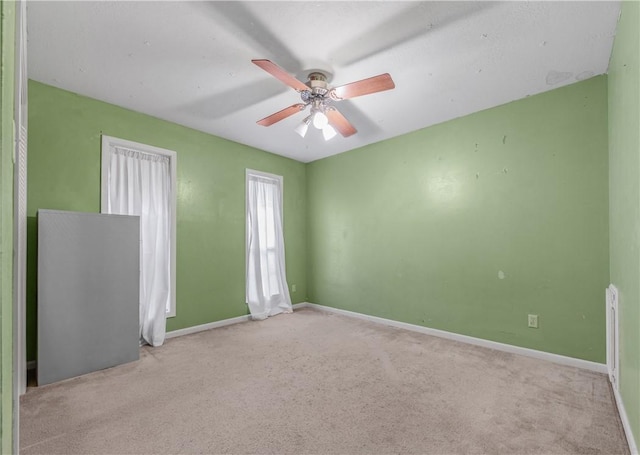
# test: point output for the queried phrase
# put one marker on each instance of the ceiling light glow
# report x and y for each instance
(320, 120)
(328, 132)
(303, 127)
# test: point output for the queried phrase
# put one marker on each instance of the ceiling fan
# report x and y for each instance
(317, 94)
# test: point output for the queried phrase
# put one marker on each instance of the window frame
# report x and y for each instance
(107, 143)
(267, 175)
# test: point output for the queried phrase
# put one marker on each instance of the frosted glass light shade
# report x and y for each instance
(320, 120)
(328, 132)
(302, 129)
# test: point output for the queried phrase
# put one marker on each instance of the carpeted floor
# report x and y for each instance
(315, 382)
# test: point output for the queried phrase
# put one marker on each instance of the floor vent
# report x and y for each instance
(612, 335)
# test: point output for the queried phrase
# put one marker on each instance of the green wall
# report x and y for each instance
(64, 174)
(7, 65)
(624, 200)
(470, 225)
(466, 226)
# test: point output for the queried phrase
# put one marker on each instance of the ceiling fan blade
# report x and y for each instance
(280, 115)
(280, 74)
(339, 122)
(373, 84)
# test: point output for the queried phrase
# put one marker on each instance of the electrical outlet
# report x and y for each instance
(533, 321)
(293, 288)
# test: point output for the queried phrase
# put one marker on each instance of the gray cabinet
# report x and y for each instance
(88, 292)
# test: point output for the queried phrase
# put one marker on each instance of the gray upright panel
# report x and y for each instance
(88, 292)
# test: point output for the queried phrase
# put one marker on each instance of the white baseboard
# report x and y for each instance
(216, 324)
(633, 448)
(556, 358)
(203, 327)
(186, 331)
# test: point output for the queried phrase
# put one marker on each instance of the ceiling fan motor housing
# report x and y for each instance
(318, 83)
(317, 95)
(316, 78)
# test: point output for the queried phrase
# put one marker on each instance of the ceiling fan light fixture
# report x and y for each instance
(328, 132)
(317, 94)
(303, 127)
(320, 120)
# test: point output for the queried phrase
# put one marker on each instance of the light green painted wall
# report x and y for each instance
(470, 225)
(64, 174)
(624, 200)
(7, 65)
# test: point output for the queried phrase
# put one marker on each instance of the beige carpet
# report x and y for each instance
(314, 382)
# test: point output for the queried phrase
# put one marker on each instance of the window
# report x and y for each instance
(267, 292)
(139, 179)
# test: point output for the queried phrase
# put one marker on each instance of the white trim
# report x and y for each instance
(633, 448)
(222, 323)
(613, 335)
(208, 326)
(107, 142)
(20, 121)
(266, 175)
(555, 358)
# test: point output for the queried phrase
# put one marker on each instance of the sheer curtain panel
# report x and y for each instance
(267, 290)
(140, 184)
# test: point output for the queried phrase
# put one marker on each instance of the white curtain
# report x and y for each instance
(140, 184)
(267, 289)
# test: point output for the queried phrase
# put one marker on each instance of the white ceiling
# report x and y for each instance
(190, 62)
